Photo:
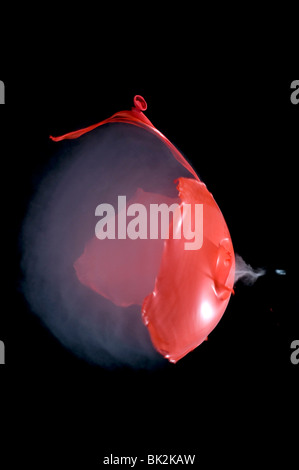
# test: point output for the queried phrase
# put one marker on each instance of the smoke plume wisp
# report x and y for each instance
(245, 273)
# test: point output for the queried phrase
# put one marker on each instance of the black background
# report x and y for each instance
(228, 109)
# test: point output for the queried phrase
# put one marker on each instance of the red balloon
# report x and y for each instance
(182, 291)
(192, 288)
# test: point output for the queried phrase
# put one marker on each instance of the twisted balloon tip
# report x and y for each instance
(140, 103)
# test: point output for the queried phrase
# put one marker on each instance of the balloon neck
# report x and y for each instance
(139, 103)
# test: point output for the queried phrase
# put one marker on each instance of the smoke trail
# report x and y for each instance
(113, 160)
(280, 272)
(246, 273)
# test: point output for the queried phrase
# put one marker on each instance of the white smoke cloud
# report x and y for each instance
(245, 273)
(110, 161)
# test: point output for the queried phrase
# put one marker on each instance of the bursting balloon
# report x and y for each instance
(143, 236)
